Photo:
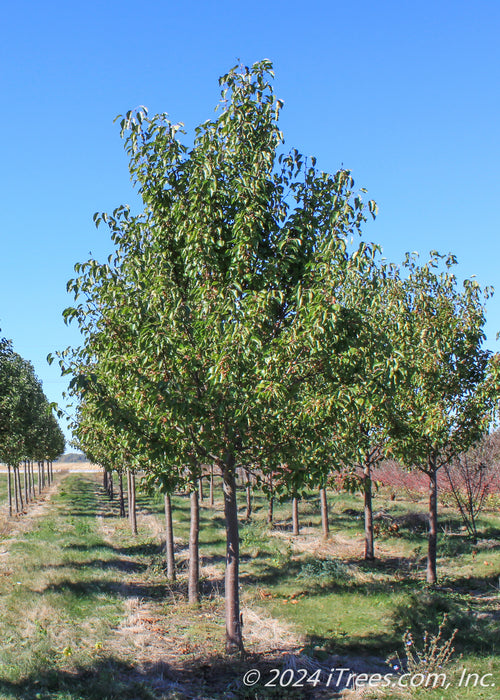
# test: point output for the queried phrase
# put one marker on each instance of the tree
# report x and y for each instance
(216, 329)
(472, 476)
(28, 430)
(375, 420)
(446, 403)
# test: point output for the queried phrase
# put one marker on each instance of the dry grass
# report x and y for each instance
(266, 634)
(77, 467)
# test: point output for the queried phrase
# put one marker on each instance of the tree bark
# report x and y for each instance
(270, 509)
(234, 641)
(169, 539)
(248, 489)
(31, 480)
(132, 514)
(122, 501)
(19, 492)
(39, 478)
(295, 516)
(367, 495)
(20, 489)
(194, 554)
(26, 496)
(212, 485)
(9, 488)
(433, 524)
(324, 513)
(16, 497)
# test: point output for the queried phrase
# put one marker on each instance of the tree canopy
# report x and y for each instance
(28, 429)
(216, 331)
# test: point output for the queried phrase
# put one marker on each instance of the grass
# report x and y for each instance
(86, 610)
(366, 610)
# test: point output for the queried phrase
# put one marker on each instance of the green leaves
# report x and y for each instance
(28, 430)
(222, 324)
(446, 402)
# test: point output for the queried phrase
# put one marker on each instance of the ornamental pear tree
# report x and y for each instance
(375, 420)
(216, 329)
(28, 430)
(447, 402)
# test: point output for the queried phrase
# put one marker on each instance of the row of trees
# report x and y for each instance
(238, 325)
(28, 429)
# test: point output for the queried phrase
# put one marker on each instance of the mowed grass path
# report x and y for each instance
(68, 588)
(87, 612)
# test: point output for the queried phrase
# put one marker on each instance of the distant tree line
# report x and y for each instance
(29, 431)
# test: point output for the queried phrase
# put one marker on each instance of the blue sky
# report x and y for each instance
(406, 95)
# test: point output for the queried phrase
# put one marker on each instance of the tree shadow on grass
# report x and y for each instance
(477, 584)
(266, 573)
(391, 566)
(376, 646)
(108, 678)
(96, 587)
(123, 565)
(141, 549)
(476, 622)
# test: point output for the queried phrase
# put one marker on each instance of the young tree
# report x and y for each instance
(374, 414)
(472, 476)
(217, 328)
(446, 404)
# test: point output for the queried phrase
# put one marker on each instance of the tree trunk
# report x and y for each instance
(433, 524)
(39, 478)
(26, 495)
(200, 486)
(295, 516)
(248, 489)
(132, 514)
(169, 539)
(212, 485)
(367, 494)
(270, 509)
(16, 495)
(28, 480)
(110, 486)
(194, 554)
(20, 489)
(234, 641)
(324, 513)
(9, 488)
(122, 501)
